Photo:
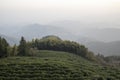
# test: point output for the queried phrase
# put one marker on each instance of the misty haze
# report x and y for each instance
(39, 33)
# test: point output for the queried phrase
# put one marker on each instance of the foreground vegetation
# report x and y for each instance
(54, 65)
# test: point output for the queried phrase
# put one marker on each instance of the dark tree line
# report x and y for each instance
(21, 50)
(26, 48)
(55, 43)
(46, 43)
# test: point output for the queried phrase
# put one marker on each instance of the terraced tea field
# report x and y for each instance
(53, 65)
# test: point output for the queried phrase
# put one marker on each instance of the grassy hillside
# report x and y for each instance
(53, 65)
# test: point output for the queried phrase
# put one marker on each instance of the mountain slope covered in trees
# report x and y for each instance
(55, 43)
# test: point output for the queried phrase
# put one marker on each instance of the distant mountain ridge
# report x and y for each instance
(98, 31)
(103, 34)
(90, 38)
(38, 31)
(10, 40)
(107, 49)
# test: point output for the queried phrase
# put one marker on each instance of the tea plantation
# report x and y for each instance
(54, 65)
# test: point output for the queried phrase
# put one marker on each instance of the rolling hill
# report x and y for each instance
(54, 65)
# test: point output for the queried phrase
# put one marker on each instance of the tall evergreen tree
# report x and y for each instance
(14, 50)
(23, 48)
(3, 47)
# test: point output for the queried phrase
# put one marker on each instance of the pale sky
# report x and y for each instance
(16, 12)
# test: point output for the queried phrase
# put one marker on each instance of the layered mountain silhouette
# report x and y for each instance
(91, 38)
(10, 40)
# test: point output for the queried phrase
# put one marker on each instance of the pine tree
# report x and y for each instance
(3, 47)
(23, 48)
(14, 50)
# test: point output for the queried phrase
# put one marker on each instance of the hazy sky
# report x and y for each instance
(16, 12)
